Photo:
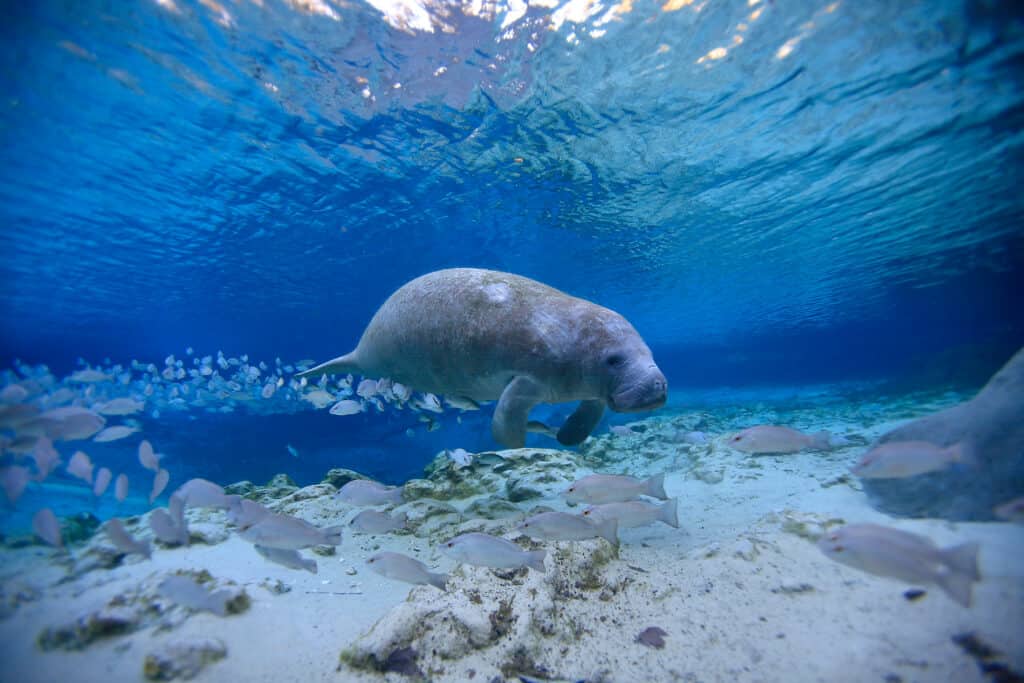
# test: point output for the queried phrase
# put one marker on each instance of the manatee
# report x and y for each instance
(485, 335)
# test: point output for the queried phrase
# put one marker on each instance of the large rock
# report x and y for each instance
(183, 658)
(991, 425)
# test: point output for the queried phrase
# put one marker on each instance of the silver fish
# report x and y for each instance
(561, 526)
(636, 513)
(124, 541)
(287, 558)
(902, 555)
(613, 488)
(244, 513)
(776, 439)
(490, 551)
(403, 568)
(374, 522)
(201, 493)
(899, 459)
(47, 527)
(289, 533)
(188, 593)
(365, 492)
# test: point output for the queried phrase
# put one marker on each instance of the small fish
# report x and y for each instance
(362, 492)
(460, 456)
(114, 433)
(14, 479)
(80, 467)
(775, 439)
(124, 541)
(430, 402)
(147, 457)
(636, 513)
(200, 493)
(1011, 511)
(561, 526)
(347, 406)
(462, 403)
(287, 558)
(71, 423)
(89, 376)
(160, 480)
(401, 392)
(292, 450)
(614, 488)
(14, 393)
(692, 438)
(619, 430)
(268, 391)
(485, 550)
(103, 478)
(367, 389)
(47, 527)
(884, 551)
(900, 459)
(188, 593)
(166, 528)
(121, 488)
(374, 522)
(404, 568)
(120, 406)
(289, 533)
(243, 512)
(319, 398)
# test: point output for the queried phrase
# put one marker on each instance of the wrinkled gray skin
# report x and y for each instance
(487, 335)
(991, 427)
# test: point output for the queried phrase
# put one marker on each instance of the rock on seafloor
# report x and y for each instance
(183, 658)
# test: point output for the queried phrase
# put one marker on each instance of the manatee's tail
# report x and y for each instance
(437, 580)
(335, 366)
(535, 559)
(656, 486)
(668, 512)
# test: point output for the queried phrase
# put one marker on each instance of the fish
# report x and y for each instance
(374, 522)
(613, 488)
(538, 427)
(103, 478)
(367, 389)
(404, 568)
(561, 526)
(292, 450)
(14, 479)
(1011, 511)
(278, 530)
(13, 393)
(346, 406)
(166, 528)
(287, 558)
(200, 493)
(319, 398)
(124, 541)
(120, 406)
(362, 492)
(160, 480)
(80, 467)
(897, 554)
(693, 438)
(47, 527)
(462, 403)
(147, 457)
(189, 593)
(121, 487)
(401, 392)
(775, 439)
(634, 513)
(485, 550)
(620, 430)
(114, 433)
(900, 459)
(460, 456)
(244, 513)
(89, 376)
(71, 423)
(430, 402)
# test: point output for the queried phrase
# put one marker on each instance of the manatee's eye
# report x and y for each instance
(586, 512)
(838, 549)
(615, 360)
(450, 544)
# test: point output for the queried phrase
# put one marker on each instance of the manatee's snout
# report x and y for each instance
(644, 389)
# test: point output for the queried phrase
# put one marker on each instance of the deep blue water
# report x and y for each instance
(772, 192)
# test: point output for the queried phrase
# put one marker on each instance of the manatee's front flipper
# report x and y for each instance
(335, 366)
(513, 411)
(581, 423)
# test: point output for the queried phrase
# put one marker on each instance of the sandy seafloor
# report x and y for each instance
(740, 588)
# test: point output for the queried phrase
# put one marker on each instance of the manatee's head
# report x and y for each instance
(633, 382)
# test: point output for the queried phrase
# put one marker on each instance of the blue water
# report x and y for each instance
(773, 193)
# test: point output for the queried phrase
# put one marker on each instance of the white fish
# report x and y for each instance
(692, 438)
(244, 513)
(103, 478)
(561, 526)
(292, 450)
(287, 558)
(431, 402)
(80, 467)
(268, 391)
(620, 430)
(404, 568)
(14, 393)
(201, 493)
(538, 427)
(121, 488)
(89, 376)
(346, 406)
(485, 550)
(905, 556)
(47, 527)
(120, 406)
(318, 397)
(614, 488)
(365, 492)
(460, 456)
(14, 479)
(147, 457)
(462, 403)
(367, 389)
(401, 392)
(374, 522)
(775, 439)
(899, 459)
(166, 528)
(189, 593)
(636, 513)
(1011, 511)
(114, 433)
(289, 533)
(71, 423)
(160, 480)
(124, 541)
